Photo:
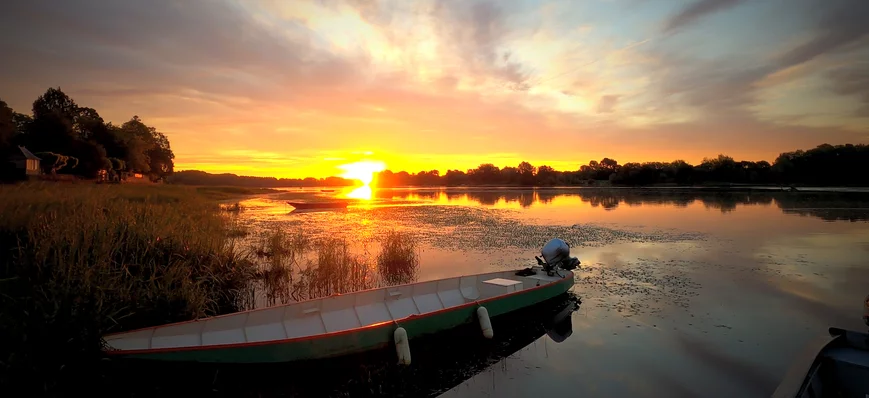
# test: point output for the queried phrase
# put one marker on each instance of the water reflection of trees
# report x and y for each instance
(852, 206)
(825, 205)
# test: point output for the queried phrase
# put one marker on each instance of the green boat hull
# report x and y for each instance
(358, 340)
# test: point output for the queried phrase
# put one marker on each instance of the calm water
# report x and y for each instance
(683, 293)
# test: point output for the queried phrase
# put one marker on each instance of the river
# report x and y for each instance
(684, 293)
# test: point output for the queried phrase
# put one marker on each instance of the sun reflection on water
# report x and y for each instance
(364, 192)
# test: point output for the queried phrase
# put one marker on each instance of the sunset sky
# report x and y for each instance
(293, 88)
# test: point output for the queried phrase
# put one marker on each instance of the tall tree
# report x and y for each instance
(526, 173)
(161, 158)
(139, 140)
(546, 175)
(7, 125)
(56, 102)
(21, 122)
(86, 122)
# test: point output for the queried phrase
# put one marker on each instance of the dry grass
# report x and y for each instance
(80, 260)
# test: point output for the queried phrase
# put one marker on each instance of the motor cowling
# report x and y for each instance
(556, 253)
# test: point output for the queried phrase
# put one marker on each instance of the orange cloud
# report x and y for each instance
(294, 90)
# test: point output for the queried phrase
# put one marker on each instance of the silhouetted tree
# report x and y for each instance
(526, 173)
(62, 127)
(7, 125)
(546, 175)
(510, 176)
(455, 178)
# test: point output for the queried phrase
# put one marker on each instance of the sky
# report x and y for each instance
(294, 88)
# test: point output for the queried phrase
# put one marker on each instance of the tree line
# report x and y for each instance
(196, 177)
(825, 165)
(73, 139)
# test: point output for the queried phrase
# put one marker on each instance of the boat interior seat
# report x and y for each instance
(399, 301)
(425, 296)
(370, 307)
(449, 293)
(224, 330)
(339, 313)
(265, 325)
(843, 373)
(468, 286)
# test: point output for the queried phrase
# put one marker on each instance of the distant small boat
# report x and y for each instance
(834, 366)
(319, 205)
(327, 190)
(349, 323)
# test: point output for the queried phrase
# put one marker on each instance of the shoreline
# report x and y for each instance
(650, 188)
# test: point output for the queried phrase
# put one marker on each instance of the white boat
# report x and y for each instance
(354, 322)
(834, 366)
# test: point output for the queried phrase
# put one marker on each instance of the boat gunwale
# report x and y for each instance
(115, 351)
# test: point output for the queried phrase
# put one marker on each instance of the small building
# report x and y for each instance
(23, 161)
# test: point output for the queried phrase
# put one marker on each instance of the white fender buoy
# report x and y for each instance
(485, 323)
(402, 346)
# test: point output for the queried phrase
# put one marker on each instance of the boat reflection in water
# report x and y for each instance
(440, 362)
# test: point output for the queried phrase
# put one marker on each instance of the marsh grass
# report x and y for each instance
(79, 261)
(398, 260)
(337, 270)
(232, 208)
(293, 267)
(280, 255)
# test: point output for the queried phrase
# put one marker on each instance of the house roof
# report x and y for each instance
(27, 154)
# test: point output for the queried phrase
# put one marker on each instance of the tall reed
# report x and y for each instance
(398, 260)
(78, 261)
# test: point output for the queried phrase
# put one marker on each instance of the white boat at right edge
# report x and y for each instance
(834, 366)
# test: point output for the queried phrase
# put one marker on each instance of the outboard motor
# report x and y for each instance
(556, 254)
(560, 327)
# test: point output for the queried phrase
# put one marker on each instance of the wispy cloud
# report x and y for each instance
(696, 10)
(291, 87)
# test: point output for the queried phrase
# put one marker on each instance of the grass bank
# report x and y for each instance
(78, 261)
(81, 260)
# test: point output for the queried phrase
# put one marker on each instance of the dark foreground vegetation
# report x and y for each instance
(74, 140)
(826, 165)
(81, 260)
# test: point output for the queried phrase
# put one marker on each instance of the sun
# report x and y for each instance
(363, 171)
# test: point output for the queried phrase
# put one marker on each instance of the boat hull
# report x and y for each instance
(367, 338)
(837, 365)
(318, 205)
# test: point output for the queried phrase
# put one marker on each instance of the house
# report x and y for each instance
(28, 161)
(21, 162)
